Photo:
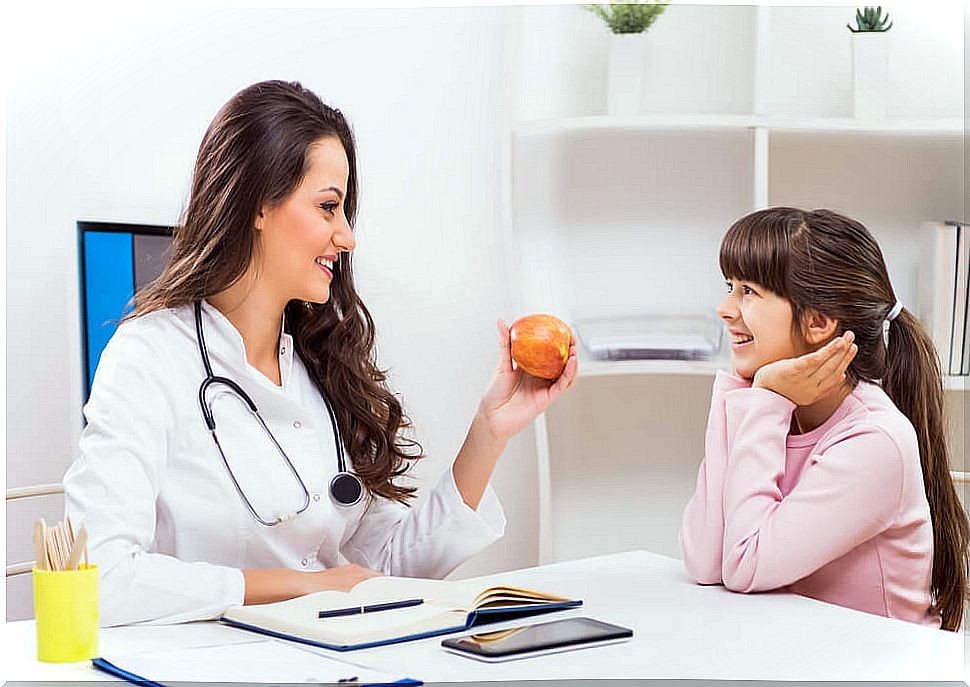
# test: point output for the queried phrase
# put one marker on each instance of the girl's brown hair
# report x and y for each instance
(828, 262)
(255, 153)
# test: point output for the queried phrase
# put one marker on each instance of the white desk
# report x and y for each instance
(681, 630)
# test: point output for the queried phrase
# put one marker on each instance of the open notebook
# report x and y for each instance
(448, 607)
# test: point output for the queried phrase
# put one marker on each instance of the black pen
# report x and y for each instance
(357, 610)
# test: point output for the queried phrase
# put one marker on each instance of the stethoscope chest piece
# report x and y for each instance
(346, 489)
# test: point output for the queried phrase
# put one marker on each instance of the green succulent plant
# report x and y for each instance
(629, 16)
(870, 20)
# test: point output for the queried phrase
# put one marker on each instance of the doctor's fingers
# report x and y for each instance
(343, 578)
(504, 346)
(567, 380)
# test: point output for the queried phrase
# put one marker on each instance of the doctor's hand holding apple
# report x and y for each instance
(544, 351)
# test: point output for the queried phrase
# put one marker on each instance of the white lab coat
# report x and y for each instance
(167, 527)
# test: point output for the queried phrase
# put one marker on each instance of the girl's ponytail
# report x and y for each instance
(913, 380)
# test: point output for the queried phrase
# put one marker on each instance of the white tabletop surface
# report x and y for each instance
(681, 631)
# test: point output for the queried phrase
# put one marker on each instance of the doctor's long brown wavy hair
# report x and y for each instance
(828, 262)
(255, 152)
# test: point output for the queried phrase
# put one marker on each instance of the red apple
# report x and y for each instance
(540, 345)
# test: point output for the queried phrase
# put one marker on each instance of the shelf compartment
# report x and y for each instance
(608, 226)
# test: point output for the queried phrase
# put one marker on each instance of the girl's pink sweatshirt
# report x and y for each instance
(838, 514)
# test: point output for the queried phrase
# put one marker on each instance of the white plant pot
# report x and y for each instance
(870, 74)
(625, 88)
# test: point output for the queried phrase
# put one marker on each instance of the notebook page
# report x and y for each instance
(440, 592)
(299, 618)
(512, 596)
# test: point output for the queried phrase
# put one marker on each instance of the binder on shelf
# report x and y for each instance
(964, 368)
(958, 333)
(944, 291)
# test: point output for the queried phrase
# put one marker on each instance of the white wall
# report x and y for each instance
(108, 130)
(700, 58)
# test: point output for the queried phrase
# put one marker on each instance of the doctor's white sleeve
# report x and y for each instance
(430, 539)
(112, 486)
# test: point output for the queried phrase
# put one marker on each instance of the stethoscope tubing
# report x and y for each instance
(343, 476)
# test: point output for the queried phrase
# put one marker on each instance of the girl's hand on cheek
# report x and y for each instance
(806, 379)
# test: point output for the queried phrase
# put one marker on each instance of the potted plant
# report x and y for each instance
(627, 19)
(870, 62)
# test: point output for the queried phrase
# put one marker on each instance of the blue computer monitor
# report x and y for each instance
(116, 260)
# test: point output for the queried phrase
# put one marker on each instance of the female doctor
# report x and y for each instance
(241, 444)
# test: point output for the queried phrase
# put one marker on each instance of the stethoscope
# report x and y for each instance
(346, 488)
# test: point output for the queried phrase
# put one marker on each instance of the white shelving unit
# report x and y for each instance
(948, 126)
(601, 368)
(622, 216)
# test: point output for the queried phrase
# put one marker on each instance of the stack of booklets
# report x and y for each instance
(659, 337)
(944, 295)
(436, 607)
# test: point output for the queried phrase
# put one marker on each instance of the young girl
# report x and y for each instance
(242, 445)
(826, 470)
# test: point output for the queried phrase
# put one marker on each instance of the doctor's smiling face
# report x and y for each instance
(760, 326)
(300, 239)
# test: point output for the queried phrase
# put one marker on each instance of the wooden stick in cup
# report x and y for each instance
(49, 546)
(40, 552)
(65, 546)
(60, 547)
(62, 552)
(79, 545)
(48, 552)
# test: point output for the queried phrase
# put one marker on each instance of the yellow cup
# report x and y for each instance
(66, 610)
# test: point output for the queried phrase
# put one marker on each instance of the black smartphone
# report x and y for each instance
(537, 640)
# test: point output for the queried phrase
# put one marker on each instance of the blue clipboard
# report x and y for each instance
(108, 667)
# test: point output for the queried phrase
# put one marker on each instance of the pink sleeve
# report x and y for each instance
(702, 528)
(846, 495)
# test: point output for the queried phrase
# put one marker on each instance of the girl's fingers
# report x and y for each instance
(815, 364)
(835, 376)
(821, 361)
(832, 372)
(850, 352)
(850, 356)
(828, 374)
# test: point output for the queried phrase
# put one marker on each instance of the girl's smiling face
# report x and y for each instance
(760, 324)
